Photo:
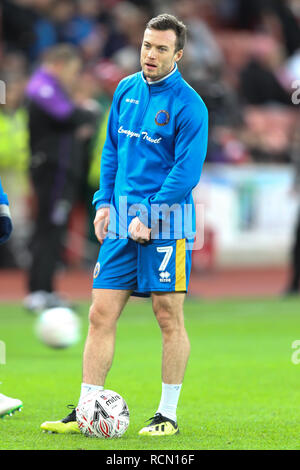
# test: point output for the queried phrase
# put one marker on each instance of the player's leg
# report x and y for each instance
(114, 279)
(53, 211)
(166, 272)
(98, 354)
(168, 309)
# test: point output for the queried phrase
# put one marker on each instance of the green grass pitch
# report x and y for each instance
(241, 389)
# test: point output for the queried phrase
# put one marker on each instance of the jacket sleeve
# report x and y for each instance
(109, 159)
(3, 196)
(5, 218)
(190, 152)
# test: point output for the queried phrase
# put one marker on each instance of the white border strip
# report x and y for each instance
(162, 79)
(4, 210)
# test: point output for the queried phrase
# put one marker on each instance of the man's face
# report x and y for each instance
(158, 54)
(69, 73)
(14, 94)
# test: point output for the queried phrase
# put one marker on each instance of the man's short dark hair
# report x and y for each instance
(166, 21)
(61, 53)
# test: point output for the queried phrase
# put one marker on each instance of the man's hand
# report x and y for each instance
(101, 222)
(138, 231)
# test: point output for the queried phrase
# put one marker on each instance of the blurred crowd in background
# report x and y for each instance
(241, 56)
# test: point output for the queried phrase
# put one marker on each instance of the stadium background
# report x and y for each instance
(243, 58)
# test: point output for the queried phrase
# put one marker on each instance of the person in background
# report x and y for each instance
(14, 158)
(58, 131)
(8, 405)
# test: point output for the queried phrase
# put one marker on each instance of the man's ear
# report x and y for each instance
(178, 55)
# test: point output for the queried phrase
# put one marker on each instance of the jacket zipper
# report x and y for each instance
(146, 107)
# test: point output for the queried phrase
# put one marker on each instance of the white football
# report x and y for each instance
(103, 414)
(58, 327)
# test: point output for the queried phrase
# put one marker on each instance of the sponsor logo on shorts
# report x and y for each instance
(165, 277)
(97, 270)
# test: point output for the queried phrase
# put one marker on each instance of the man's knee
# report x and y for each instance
(107, 307)
(169, 315)
(100, 316)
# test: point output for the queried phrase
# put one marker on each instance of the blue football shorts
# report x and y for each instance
(157, 266)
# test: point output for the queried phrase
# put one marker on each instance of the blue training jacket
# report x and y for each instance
(153, 155)
(3, 196)
(5, 219)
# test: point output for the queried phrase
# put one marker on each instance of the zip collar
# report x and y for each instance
(165, 82)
